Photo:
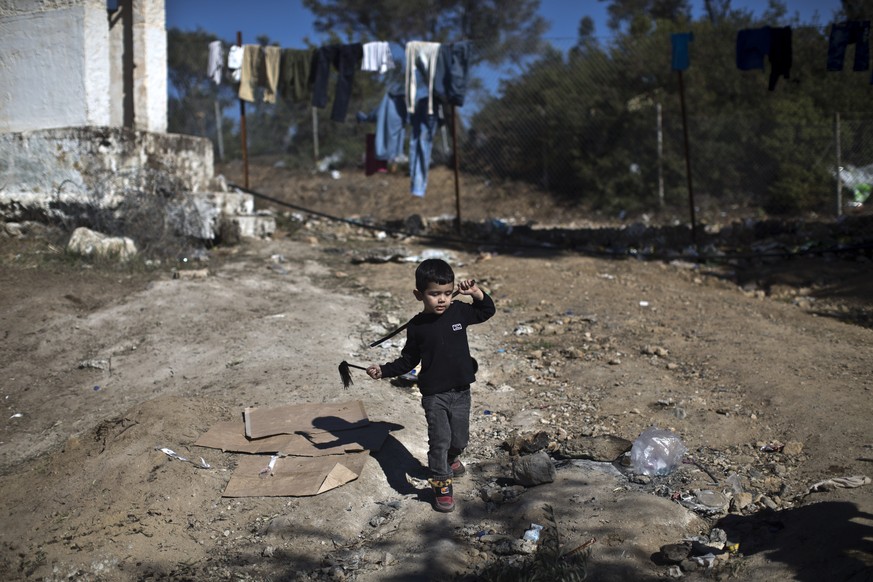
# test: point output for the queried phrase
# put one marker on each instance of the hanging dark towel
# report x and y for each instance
(780, 54)
(843, 34)
(346, 59)
(681, 59)
(752, 45)
(294, 74)
(450, 79)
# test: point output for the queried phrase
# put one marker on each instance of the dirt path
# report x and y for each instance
(580, 347)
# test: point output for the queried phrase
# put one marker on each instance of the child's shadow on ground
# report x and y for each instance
(402, 469)
(404, 473)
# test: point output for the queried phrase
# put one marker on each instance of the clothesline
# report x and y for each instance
(434, 77)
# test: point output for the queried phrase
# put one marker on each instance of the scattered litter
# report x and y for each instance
(523, 330)
(644, 303)
(268, 470)
(840, 482)
(773, 447)
(657, 451)
(16, 415)
(174, 455)
(533, 534)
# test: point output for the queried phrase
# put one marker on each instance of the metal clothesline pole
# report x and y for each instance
(242, 127)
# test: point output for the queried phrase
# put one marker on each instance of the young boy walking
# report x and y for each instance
(437, 337)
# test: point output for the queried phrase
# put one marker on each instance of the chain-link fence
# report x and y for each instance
(600, 123)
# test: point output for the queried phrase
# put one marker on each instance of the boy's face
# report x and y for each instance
(436, 298)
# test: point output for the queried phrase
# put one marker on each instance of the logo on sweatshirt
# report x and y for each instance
(457, 327)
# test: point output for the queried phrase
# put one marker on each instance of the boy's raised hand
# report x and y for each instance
(469, 287)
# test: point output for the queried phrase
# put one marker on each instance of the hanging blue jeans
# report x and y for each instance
(390, 127)
(424, 127)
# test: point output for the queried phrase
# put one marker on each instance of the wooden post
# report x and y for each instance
(242, 127)
(687, 161)
(454, 113)
(219, 130)
(660, 155)
(839, 164)
(314, 135)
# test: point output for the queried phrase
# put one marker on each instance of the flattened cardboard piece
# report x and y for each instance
(229, 436)
(293, 476)
(307, 418)
(367, 438)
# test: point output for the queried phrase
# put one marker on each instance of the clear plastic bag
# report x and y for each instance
(657, 451)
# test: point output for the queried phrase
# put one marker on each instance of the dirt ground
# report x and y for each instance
(761, 365)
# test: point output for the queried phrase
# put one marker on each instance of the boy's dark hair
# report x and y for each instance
(433, 271)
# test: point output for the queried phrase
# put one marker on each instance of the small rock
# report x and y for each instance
(675, 553)
(533, 469)
(740, 501)
(604, 448)
(792, 448)
(615, 362)
(94, 364)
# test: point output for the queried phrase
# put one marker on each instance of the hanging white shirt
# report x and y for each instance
(234, 61)
(377, 57)
(215, 64)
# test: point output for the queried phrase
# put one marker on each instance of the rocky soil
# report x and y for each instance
(757, 358)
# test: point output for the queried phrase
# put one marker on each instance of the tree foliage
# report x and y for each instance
(503, 30)
(590, 124)
(582, 124)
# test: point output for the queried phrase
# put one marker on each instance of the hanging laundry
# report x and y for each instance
(377, 57)
(344, 58)
(780, 54)
(753, 44)
(215, 64)
(452, 68)
(234, 62)
(249, 72)
(295, 68)
(422, 56)
(681, 59)
(424, 127)
(269, 74)
(390, 117)
(843, 34)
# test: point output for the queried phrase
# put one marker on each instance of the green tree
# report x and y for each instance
(504, 30)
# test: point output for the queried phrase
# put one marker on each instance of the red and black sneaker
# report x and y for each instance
(457, 467)
(442, 492)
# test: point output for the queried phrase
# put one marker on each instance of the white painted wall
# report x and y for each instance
(150, 56)
(59, 67)
(43, 69)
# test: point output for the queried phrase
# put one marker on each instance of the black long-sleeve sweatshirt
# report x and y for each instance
(439, 342)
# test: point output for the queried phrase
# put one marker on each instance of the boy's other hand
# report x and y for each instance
(375, 371)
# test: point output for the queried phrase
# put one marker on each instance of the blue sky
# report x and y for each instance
(288, 23)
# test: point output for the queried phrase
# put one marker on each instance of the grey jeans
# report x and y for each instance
(448, 428)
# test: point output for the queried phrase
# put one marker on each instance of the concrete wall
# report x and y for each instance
(54, 64)
(150, 65)
(45, 171)
(61, 66)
